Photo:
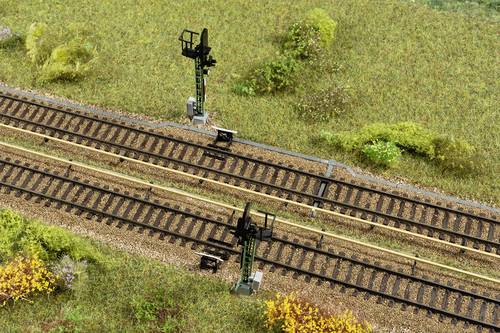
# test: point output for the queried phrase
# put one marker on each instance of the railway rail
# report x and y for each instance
(149, 186)
(434, 220)
(300, 258)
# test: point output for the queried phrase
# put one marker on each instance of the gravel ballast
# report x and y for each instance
(173, 253)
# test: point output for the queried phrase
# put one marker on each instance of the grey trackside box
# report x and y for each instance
(256, 279)
(191, 105)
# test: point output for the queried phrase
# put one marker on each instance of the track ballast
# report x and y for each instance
(195, 229)
(365, 201)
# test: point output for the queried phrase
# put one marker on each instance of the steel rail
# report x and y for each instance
(283, 200)
(234, 208)
(488, 244)
(274, 263)
(152, 133)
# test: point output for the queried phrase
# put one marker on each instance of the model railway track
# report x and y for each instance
(102, 203)
(367, 202)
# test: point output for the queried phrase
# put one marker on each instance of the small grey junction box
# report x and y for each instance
(256, 279)
(191, 105)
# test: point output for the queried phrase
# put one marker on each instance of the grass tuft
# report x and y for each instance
(40, 41)
(67, 62)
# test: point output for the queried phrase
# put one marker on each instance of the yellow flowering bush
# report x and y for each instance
(23, 276)
(289, 315)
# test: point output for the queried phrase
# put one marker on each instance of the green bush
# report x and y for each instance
(382, 153)
(324, 105)
(457, 155)
(60, 55)
(452, 154)
(407, 135)
(11, 228)
(306, 38)
(18, 234)
(320, 20)
(273, 76)
(302, 41)
(40, 41)
(67, 62)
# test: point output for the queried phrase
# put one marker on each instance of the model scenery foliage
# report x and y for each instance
(383, 144)
(288, 314)
(306, 39)
(384, 153)
(24, 276)
(35, 254)
(59, 55)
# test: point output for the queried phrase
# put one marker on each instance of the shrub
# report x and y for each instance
(382, 153)
(457, 155)
(320, 20)
(18, 234)
(306, 38)
(11, 229)
(378, 142)
(61, 55)
(22, 277)
(302, 41)
(407, 135)
(40, 41)
(274, 75)
(66, 62)
(288, 315)
(324, 105)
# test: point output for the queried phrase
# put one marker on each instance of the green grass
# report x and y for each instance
(128, 294)
(404, 61)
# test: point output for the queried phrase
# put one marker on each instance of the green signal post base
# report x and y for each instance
(200, 119)
(242, 288)
(248, 288)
